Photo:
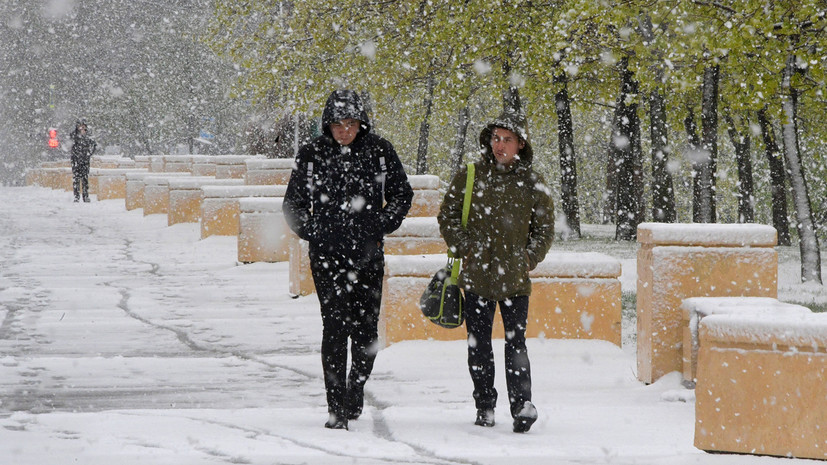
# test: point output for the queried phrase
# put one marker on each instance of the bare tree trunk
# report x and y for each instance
(628, 179)
(695, 156)
(568, 162)
(663, 193)
(808, 240)
(424, 130)
(637, 167)
(457, 154)
(191, 134)
(778, 178)
(610, 191)
(512, 101)
(367, 102)
(741, 142)
(709, 144)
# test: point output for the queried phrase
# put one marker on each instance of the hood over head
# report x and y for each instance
(344, 104)
(515, 122)
(81, 123)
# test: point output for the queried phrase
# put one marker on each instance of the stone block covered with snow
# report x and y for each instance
(573, 296)
(111, 183)
(156, 193)
(678, 261)
(696, 308)
(263, 233)
(203, 165)
(416, 235)
(136, 183)
(186, 195)
(762, 384)
(220, 207)
(427, 196)
(268, 171)
(231, 166)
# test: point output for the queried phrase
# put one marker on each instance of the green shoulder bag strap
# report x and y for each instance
(466, 207)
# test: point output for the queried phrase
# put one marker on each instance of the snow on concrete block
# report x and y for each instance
(424, 181)
(427, 197)
(156, 163)
(231, 166)
(697, 308)
(112, 182)
(156, 194)
(707, 234)
(135, 184)
(220, 207)
(677, 261)
(34, 177)
(577, 265)
(416, 236)
(268, 171)
(300, 282)
(110, 161)
(60, 178)
(203, 165)
(576, 304)
(762, 384)
(186, 195)
(142, 161)
(263, 232)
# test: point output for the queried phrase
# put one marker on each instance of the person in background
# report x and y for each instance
(348, 189)
(83, 147)
(509, 231)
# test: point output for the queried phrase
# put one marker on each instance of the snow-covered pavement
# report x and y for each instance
(126, 341)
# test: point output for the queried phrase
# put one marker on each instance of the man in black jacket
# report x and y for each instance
(347, 191)
(83, 147)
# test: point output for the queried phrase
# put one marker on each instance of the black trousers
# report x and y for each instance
(479, 320)
(80, 181)
(349, 295)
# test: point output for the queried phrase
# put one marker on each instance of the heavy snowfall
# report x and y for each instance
(125, 340)
(128, 341)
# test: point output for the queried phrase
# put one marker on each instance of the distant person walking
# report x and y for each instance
(348, 189)
(83, 147)
(509, 231)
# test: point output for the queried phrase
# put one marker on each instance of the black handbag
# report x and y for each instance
(442, 302)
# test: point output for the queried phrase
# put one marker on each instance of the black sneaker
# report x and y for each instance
(485, 417)
(525, 417)
(77, 200)
(336, 422)
(86, 199)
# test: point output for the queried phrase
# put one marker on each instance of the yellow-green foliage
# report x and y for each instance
(294, 53)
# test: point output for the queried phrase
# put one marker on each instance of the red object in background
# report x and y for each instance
(53, 142)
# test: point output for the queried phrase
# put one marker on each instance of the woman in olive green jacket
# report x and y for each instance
(509, 231)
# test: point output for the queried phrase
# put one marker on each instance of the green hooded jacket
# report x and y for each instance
(510, 223)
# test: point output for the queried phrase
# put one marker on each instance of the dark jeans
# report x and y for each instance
(349, 296)
(479, 320)
(80, 181)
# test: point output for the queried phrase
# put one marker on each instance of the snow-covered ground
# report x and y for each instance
(125, 341)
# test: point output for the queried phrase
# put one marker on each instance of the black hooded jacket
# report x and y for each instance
(83, 147)
(336, 203)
